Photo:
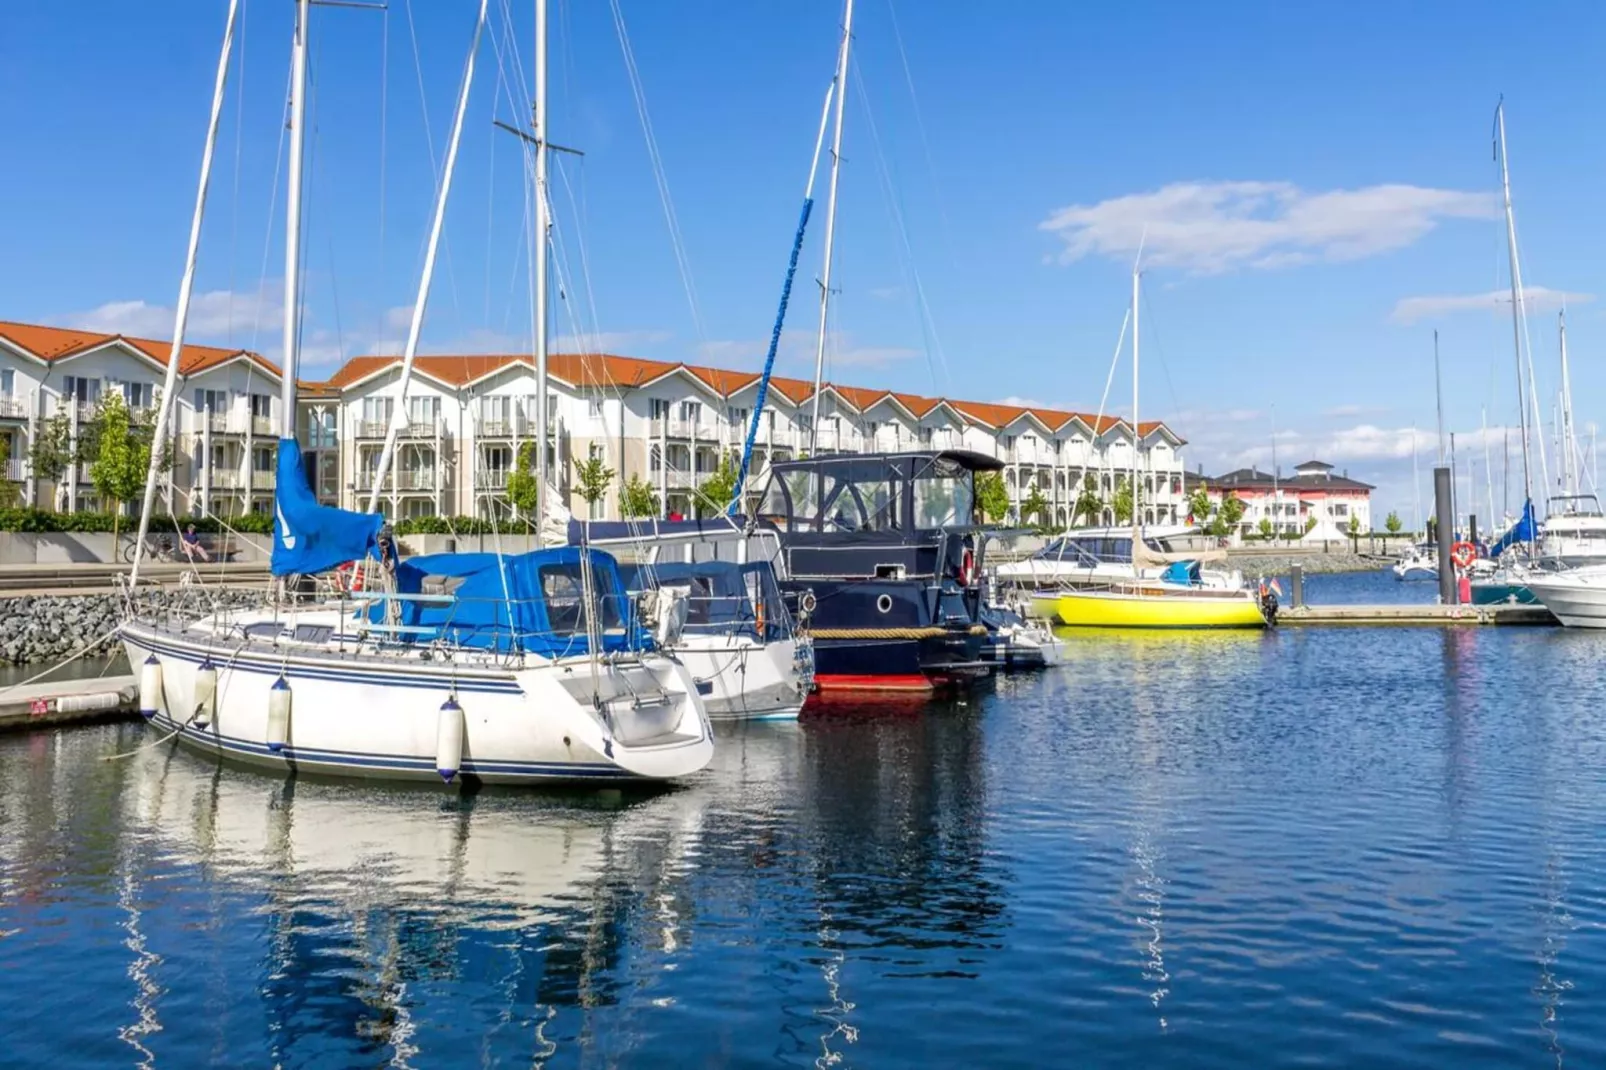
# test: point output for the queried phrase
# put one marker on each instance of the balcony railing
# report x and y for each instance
(492, 478)
(405, 479)
(262, 480)
(371, 428)
(501, 428)
(15, 470)
(226, 479)
(13, 409)
(413, 429)
(674, 427)
(264, 425)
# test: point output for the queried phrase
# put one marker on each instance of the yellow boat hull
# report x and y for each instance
(1121, 609)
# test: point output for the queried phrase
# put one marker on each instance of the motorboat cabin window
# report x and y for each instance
(944, 496)
(861, 496)
(790, 502)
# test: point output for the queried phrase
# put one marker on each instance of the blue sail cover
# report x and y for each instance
(1524, 530)
(525, 602)
(308, 537)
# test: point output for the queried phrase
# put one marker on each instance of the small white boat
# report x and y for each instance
(1576, 597)
(1015, 642)
(1102, 557)
(1420, 562)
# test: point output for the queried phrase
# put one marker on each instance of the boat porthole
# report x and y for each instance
(807, 602)
(884, 603)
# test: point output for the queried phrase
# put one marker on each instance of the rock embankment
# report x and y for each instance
(52, 627)
(1274, 564)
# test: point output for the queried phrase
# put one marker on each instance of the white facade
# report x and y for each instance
(467, 419)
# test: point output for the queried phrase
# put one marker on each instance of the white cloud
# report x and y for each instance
(1211, 227)
(1534, 299)
(1353, 411)
(215, 316)
(619, 343)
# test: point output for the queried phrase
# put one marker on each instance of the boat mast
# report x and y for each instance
(292, 221)
(1516, 299)
(830, 223)
(185, 287)
(398, 415)
(1569, 457)
(1137, 437)
(538, 259)
(1438, 394)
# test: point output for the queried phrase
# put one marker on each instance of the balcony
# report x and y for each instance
(673, 427)
(515, 427)
(15, 470)
(226, 479)
(262, 480)
(370, 428)
(13, 409)
(492, 478)
(264, 425)
(402, 479)
(413, 429)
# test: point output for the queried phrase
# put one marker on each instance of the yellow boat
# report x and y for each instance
(1151, 608)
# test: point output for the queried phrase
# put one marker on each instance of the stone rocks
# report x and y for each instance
(45, 628)
(1274, 564)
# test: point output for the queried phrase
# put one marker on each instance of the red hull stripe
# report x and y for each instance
(857, 682)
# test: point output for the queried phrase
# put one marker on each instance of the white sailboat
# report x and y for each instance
(527, 669)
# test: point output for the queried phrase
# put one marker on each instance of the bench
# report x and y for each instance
(218, 547)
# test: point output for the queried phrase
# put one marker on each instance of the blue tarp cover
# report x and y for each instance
(545, 613)
(308, 537)
(1523, 531)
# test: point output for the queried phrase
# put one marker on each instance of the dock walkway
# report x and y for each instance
(1418, 615)
(67, 701)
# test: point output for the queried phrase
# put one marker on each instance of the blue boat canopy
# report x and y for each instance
(1524, 530)
(308, 537)
(526, 602)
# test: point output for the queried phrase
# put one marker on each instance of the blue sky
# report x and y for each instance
(1301, 171)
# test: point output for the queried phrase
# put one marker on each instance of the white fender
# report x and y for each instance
(279, 714)
(205, 694)
(449, 740)
(150, 687)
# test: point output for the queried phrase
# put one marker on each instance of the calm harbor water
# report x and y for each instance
(1305, 848)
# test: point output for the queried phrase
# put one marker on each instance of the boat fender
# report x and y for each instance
(205, 693)
(150, 687)
(279, 714)
(449, 739)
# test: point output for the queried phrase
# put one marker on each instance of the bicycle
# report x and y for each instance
(158, 549)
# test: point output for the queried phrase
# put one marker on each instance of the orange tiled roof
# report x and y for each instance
(58, 343)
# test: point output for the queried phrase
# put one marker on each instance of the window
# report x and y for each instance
(655, 458)
(1340, 509)
(262, 459)
(423, 412)
(736, 417)
(658, 409)
(594, 407)
(320, 428)
(8, 382)
(805, 422)
(261, 406)
(377, 410)
(690, 411)
(78, 388)
(926, 435)
(943, 496)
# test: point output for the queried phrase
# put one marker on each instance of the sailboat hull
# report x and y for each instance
(361, 718)
(1119, 609)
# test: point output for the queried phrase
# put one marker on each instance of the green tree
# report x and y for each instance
(523, 488)
(1264, 527)
(1088, 503)
(122, 454)
(594, 477)
(1232, 513)
(1199, 504)
(1310, 524)
(1354, 529)
(1035, 505)
(992, 496)
(53, 448)
(714, 494)
(637, 498)
(1392, 523)
(1121, 503)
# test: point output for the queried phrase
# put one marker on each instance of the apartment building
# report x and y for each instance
(1314, 498)
(468, 417)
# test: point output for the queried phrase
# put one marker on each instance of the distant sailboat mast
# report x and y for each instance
(1516, 301)
(1569, 452)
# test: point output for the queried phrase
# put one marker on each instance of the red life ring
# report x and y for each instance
(1463, 554)
(348, 577)
(967, 568)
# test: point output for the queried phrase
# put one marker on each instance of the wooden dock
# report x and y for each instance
(1416, 615)
(67, 702)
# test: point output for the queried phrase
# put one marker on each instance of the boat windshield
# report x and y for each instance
(790, 501)
(1089, 550)
(864, 496)
(944, 496)
(721, 598)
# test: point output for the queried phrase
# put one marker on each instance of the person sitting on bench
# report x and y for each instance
(192, 545)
